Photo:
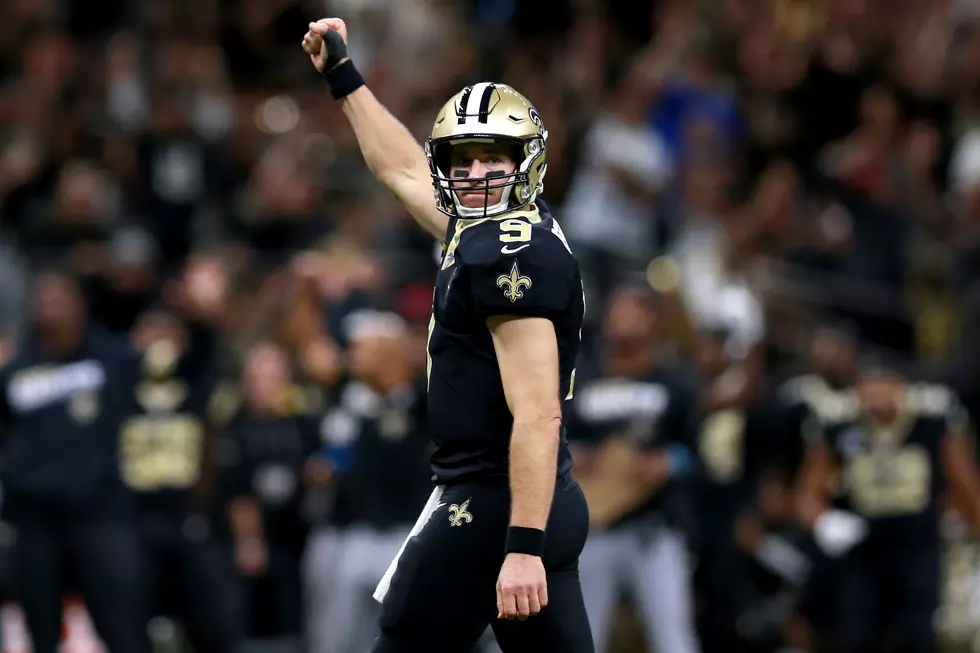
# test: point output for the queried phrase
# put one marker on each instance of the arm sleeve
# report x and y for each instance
(533, 282)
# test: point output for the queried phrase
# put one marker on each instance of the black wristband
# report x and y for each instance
(529, 541)
(343, 80)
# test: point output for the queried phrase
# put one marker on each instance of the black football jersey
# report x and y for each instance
(737, 446)
(380, 448)
(162, 445)
(657, 410)
(262, 458)
(162, 441)
(805, 402)
(59, 418)
(894, 476)
(515, 264)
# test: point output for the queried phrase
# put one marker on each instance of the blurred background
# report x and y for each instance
(795, 180)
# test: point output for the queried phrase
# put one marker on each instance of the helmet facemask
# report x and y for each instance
(517, 189)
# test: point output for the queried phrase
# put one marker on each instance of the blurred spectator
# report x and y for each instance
(799, 179)
(165, 454)
(633, 399)
(375, 456)
(888, 513)
(262, 456)
(62, 408)
(610, 208)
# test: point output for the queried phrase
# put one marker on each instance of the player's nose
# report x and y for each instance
(477, 170)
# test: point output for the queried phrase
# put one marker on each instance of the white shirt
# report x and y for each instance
(597, 211)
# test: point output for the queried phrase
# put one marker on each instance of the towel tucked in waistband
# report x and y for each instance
(430, 507)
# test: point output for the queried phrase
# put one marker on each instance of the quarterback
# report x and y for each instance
(507, 311)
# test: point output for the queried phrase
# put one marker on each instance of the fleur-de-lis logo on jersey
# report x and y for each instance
(458, 514)
(513, 283)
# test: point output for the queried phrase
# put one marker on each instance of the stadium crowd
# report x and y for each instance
(776, 205)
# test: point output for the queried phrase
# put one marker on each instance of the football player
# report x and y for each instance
(897, 451)
(736, 445)
(263, 451)
(163, 447)
(831, 374)
(631, 427)
(375, 459)
(500, 538)
(804, 401)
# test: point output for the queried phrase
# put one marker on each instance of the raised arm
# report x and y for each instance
(389, 149)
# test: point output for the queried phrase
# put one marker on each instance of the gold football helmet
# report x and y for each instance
(488, 113)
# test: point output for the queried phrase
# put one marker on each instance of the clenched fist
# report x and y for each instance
(326, 43)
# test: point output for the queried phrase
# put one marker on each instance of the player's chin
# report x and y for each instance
(477, 199)
(472, 199)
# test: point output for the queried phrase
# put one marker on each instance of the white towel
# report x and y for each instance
(430, 507)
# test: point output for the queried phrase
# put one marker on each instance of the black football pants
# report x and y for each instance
(191, 577)
(274, 601)
(443, 594)
(894, 592)
(105, 558)
(724, 582)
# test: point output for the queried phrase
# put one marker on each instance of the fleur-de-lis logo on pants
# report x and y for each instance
(458, 514)
(513, 283)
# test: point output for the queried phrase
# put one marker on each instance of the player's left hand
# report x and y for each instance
(323, 51)
(522, 587)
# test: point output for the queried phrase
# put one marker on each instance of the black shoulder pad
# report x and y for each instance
(533, 280)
